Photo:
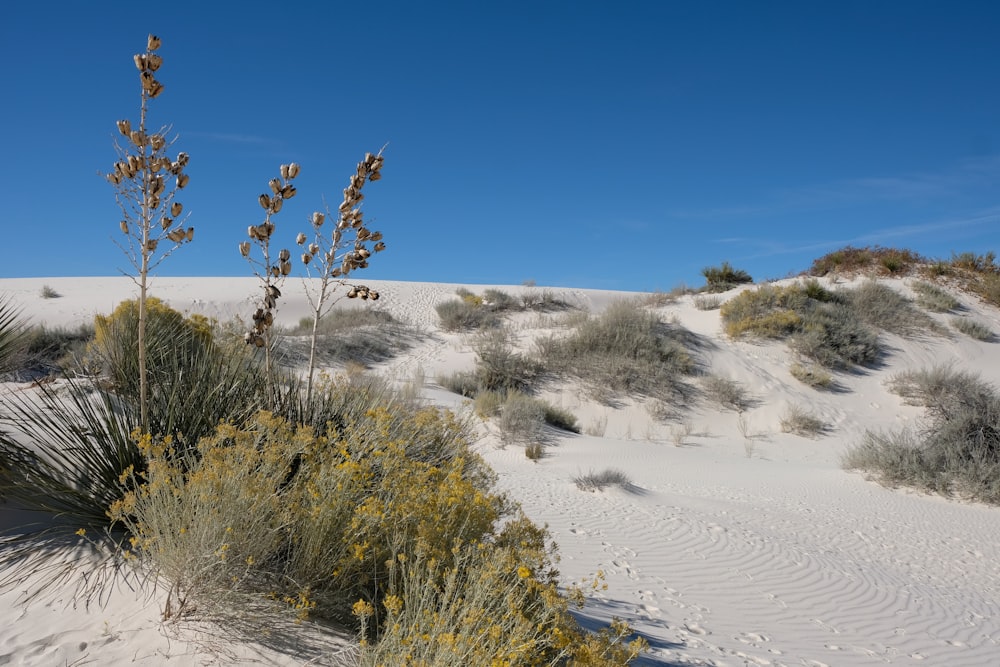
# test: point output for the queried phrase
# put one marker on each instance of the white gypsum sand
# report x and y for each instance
(736, 543)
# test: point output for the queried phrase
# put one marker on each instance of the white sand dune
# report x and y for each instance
(725, 551)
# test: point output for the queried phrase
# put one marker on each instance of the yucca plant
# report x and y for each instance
(345, 249)
(13, 334)
(146, 182)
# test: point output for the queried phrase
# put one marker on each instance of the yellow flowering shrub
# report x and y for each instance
(386, 522)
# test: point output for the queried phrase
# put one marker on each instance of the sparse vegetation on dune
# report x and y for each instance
(955, 451)
(253, 495)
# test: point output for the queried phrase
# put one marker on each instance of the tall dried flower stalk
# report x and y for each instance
(146, 182)
(271, 269)
(347, 248)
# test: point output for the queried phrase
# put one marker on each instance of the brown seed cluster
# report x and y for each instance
(350, 220)
(276, 269)
(144, 166)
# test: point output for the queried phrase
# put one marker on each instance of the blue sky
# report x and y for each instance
(619, 145)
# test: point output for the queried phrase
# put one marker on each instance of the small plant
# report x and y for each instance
(812, 375)
(933, 298)
(534, 451)
(724, 277)
(679, 433)
(13, 335)
(48, 292)
(972, 328)
(488, 404)
(465, 315)
(871, 259)
(498, 366)
(560, 418)
(464, 383)
(970, 261)
(727, 394)
(151, 214)
(800, 422)
(707, 302)
(598, 427)
(522, 419)
(598, 481)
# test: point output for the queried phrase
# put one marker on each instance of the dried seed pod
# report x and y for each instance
(352, 293)
(166, 222)
(140, 61)
(125, 127)
(268, 319)
(373, 295)
(272, 290)
(155, 89)
(286, 268)
(153, 62)
(189, 234)
(284, 171)
(363, 234)
(275, 184)
(300, 239)
(138, 138)
(124, 226)
(245, 247)
(157, 142)
(288, 191)
(265, 202)
(293, 170)
(114, 178)
(252, 232)
(313, 248)
(276, 204)
(283, 255)
(151, 245)
(182, 159)
(268, 228)
(317, 219)
(152, 42)
(374, 176)
(157, 185)
(376, 236)
(182, 180)
(335, 272)
(176, 235)
(176, 208)
(275, 273)
(364, 253)
(379, 247)
(306, 258)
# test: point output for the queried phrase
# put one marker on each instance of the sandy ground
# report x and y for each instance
(727, 550)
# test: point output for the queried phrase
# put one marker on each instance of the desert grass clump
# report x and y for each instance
(147, 182)
(811, 375)
(799, 421)
(598, 481)
(56, 350)
(724, 277)
(465, 315)
(881, 307)
(726, 393)
(362, 335)
(560, 418)
(522, 419)
(972, 328)
(499, 366)
(955, 450)
(707, 302)
(624, 350)
(933, 298)
(48, 292)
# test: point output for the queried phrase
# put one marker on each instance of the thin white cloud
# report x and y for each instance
(966, 175)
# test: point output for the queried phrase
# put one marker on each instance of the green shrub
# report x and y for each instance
(489, 403)
(464, 383)
(933, 298)
(560, 418)
(724, 277)
(343, 335)
(499, 300)
(58, 349)
(970, 261)
(972, 328)
(624, 350)
(881, 307)
(47, 292)
(954, 451)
